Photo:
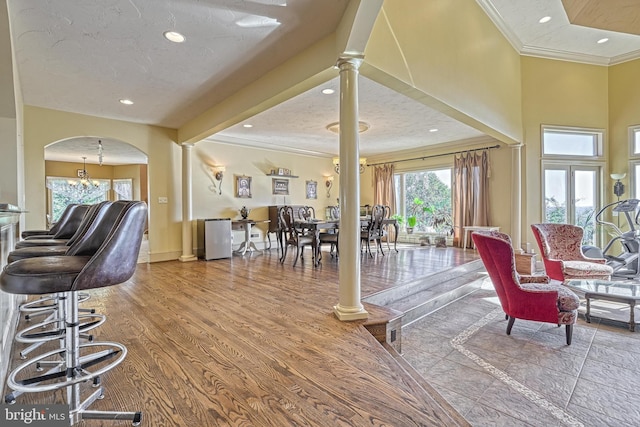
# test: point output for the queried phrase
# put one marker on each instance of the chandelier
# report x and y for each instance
(79, 190)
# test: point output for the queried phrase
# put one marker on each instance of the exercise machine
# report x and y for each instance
(626, 264)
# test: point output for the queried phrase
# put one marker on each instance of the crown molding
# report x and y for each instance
(265, 146)
(538, 52)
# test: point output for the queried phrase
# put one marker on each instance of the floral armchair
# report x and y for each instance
(524, 297)
(560, 248)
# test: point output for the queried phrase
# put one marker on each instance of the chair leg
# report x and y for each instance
(284, 253)
(569, 329)
(510, 325)
(295, 260)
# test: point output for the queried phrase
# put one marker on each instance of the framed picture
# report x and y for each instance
(280, 171)
(280, 186)
(287, 171)
(312, 190)
(243, 186)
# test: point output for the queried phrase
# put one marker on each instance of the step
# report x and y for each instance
(440, 281)
(428, 301)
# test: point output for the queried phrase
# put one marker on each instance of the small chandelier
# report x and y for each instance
(336, 164)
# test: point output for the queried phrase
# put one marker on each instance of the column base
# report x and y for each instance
(187, 258)
(347, 315)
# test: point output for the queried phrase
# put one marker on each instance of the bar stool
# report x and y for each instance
(113, 263)
(97, 224)
(66, 230)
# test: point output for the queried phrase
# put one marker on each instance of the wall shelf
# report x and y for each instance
(282, 176)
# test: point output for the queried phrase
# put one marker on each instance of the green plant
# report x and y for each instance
(416, 209)
(399, 219)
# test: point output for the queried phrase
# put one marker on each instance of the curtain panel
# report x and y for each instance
(471, 193)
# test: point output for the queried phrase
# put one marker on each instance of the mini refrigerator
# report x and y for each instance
(214, 238)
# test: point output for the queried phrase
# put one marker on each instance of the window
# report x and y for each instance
(65, 191)
(425, 195)
(123, 189)
(571, 142)
(634, 137)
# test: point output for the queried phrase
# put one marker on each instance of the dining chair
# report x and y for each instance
(330, 236)
(292, 235)
(374, 231)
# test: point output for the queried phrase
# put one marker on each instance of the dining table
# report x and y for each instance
(316, 226)
(245, 224)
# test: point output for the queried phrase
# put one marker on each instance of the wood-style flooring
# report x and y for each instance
(248, 341)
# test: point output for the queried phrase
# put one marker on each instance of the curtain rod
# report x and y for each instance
(436, 155)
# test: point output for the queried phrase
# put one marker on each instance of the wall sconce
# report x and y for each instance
(618, 187)
(336, 164)
(328, 183)
(218, 174)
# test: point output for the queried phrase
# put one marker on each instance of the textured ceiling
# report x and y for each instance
(85, 56)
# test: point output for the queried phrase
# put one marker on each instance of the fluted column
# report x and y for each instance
(516, 196)
(187, 237)
(349, 306)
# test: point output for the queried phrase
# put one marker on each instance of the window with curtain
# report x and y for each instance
(65, 191)
(123, 189)
(425, 194)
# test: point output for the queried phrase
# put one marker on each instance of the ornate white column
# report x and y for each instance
(187, 237)
(516, 196)
(349, 306)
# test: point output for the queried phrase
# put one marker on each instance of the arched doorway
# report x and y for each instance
(93, 169)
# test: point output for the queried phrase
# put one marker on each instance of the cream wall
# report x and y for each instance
(624, 111)
(256, 163)
(43, 127)
(556, 93)
(449, 55)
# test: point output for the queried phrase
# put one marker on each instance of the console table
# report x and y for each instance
(475, 228)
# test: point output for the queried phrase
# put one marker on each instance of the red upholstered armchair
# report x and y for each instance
(537, 300)
(560, 248)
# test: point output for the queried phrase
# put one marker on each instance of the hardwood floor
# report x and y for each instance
(249, 341)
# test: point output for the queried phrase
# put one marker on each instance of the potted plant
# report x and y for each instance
(417, 207)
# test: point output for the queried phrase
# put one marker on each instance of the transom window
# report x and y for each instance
(571, 142)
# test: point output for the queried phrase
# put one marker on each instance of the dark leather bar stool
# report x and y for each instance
(97, 224)
(114, 262)
(55, 228)
(66, 231)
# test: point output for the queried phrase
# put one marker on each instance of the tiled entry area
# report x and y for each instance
(531, 378)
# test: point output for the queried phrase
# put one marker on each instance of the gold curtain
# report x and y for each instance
(471, 193)
(385, 190)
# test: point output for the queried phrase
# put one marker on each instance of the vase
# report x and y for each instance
(244, 212)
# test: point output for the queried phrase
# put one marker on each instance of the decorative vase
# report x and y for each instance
(244, 212)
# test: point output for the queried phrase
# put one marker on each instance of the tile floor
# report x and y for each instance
(531, 378)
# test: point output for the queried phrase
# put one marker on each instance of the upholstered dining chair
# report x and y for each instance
(292, 235)
(524, 297)
(331, 236)
(374, 231)
(560, 248)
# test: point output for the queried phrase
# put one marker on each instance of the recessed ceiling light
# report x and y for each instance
(433, 130)
(544, 19)
(328, 91)
(126, 102)
(173, 36)
(247, 125)
(604, 40)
